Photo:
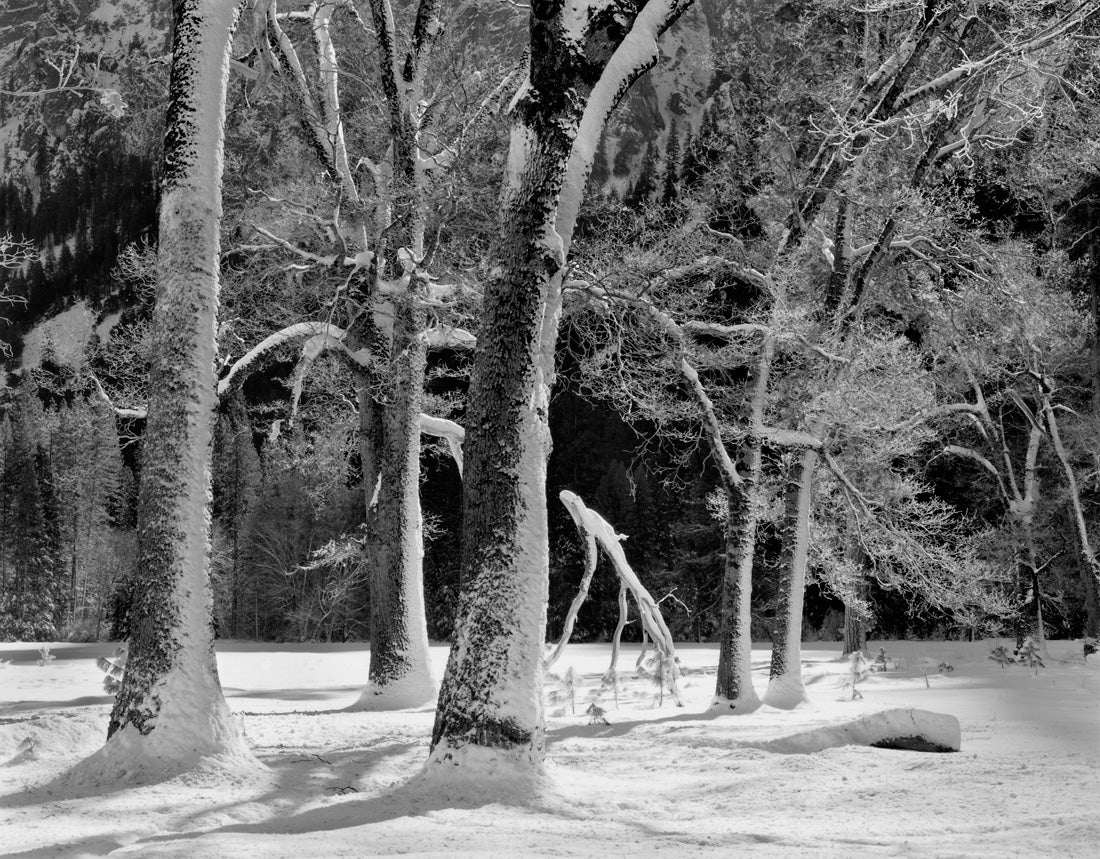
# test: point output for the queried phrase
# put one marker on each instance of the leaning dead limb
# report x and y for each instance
(597, 530)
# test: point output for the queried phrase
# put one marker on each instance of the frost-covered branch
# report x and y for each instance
(122, 412)
(449, 337)
(447, 430)
(594, 526)
(290, 334)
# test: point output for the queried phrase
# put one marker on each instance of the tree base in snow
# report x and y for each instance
(133, 758)
(482, 770)
(744, 704)
(413, 690)
(785, 693)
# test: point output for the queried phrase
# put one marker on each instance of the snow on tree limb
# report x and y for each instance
(791, 438)
(297, 331)
(312, 349)
(322, 122)
(591, 556)
(139, 413)
(439, 337)
(729, 470)
(594, 527)
(447, 430)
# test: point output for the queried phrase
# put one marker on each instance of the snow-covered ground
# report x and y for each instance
(656, 780)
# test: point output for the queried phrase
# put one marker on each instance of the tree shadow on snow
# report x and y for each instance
(619, 729)
(416, 797)
(280, 771)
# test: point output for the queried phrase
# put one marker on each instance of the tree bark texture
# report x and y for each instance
(400, 674)
(855, 633)
(733, 686)
(785, 682)
(170, 704)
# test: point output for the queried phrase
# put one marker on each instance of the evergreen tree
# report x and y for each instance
(646, 185)
(49, 566)
(28, 604)
(237, 475)
(671, 190)
(601, 169)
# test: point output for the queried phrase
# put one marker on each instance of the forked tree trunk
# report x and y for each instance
(785, 687)
(170, 710)
(400, 670)
(584, 56)
(399, 674)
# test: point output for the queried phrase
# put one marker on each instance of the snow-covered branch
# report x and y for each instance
(138, 413)
(447, 430)
(292, 333)
(449, 337)
(592, 525)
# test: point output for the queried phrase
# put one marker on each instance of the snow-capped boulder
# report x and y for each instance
(908, 729)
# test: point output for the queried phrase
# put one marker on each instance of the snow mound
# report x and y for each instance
(415, 689)
(54, 735)
(913, 730)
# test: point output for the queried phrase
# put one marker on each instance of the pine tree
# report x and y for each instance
(671, 187)
(49, 564)
(7, 508)
(28, 605)
(237, 479)
(646, 185)
(601, 169)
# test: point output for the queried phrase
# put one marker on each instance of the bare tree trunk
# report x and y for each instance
(855, 635)
(1031, 597)
(400, 670)
(733, 687)
(170, 710)
(491, 697)
(785, 689)
(855, 629)
(1090, 567)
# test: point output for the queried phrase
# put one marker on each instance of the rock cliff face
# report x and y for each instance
(79, 149)
(89, 49)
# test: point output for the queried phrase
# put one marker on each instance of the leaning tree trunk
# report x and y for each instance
(785, 687)
(170, 710)
(581, 64)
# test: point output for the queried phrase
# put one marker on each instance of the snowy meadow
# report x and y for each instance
(656, 779)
